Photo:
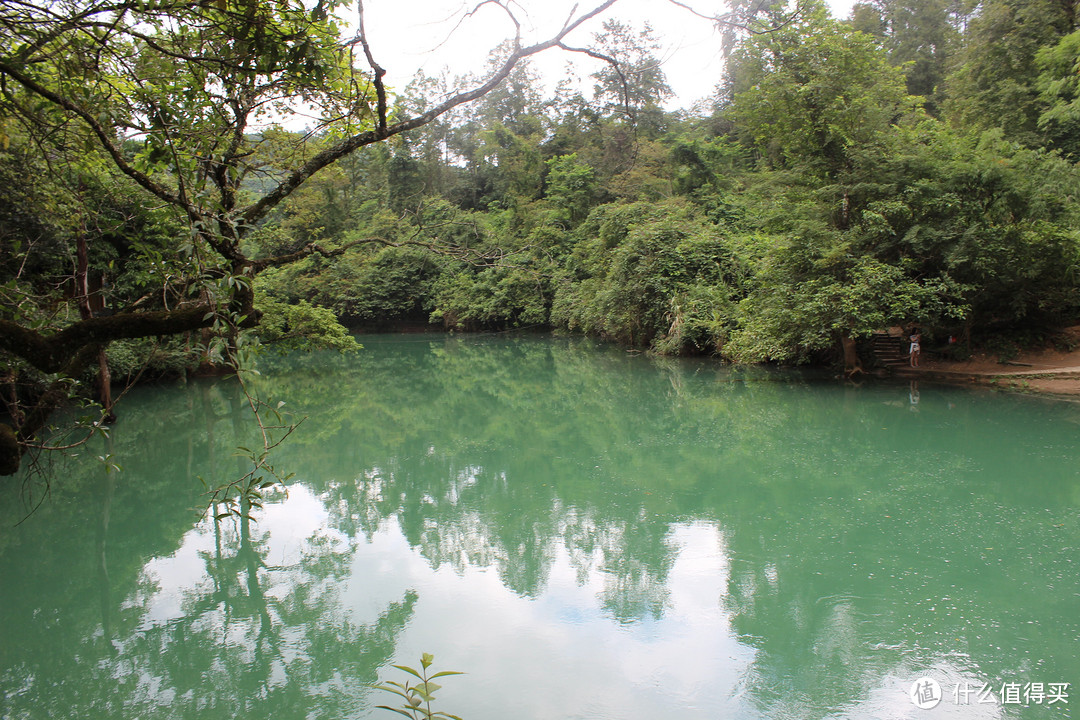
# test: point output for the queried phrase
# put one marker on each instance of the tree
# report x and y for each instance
(808, 300)
(816, 94)
(499, 144)
(650, 272)
(631, 84)
(994, 80)
(1059, 90)
(825, 109)
(917, 34)
(169, 97)
(959, 233)
(571, 186)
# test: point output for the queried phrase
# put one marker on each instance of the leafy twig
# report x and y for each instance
(419, 696)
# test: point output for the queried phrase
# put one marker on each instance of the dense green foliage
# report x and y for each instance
(849, 176)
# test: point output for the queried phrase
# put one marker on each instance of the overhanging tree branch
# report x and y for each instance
(99, 131)
(52, 353)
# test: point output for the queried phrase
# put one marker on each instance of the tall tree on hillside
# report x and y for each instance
(816, 95)
(917, 34)
(632, 83)
(1059, 90)
(994, 80)
(893, 220)
(425, 151)
(498, 141)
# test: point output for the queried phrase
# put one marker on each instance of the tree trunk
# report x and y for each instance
(852, 365)
(87, 305)
(11, 398)
(105, 387)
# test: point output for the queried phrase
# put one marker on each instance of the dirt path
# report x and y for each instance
(1054, 372)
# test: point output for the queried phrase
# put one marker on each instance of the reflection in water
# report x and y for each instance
(196, 618)
(588, 534)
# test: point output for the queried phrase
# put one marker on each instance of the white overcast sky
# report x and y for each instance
(411, 35)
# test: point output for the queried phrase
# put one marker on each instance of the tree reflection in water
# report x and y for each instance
(193, 619)
(714, 540)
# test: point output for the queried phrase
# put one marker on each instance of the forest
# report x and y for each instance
(911, 164)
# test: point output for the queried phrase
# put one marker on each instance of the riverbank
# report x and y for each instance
(1046, 371)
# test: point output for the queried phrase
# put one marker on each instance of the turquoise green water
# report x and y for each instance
(587, 533)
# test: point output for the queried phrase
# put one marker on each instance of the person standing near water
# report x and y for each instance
(916, 338)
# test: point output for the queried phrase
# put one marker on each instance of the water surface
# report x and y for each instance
(588, 533)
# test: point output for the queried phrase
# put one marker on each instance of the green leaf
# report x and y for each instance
(406, 668)
(444, 673)
(395, 691)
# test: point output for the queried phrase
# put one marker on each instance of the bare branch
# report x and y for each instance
(500, 4)
(260, 208)
(692, 11)
(380, 88)
(614, 66)
(470, 13)
(743, 20)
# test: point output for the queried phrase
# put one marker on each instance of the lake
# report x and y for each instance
(584, 531)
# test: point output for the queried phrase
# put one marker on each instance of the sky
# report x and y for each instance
(433, 35)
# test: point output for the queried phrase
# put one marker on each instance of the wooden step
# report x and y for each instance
(888, 349)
